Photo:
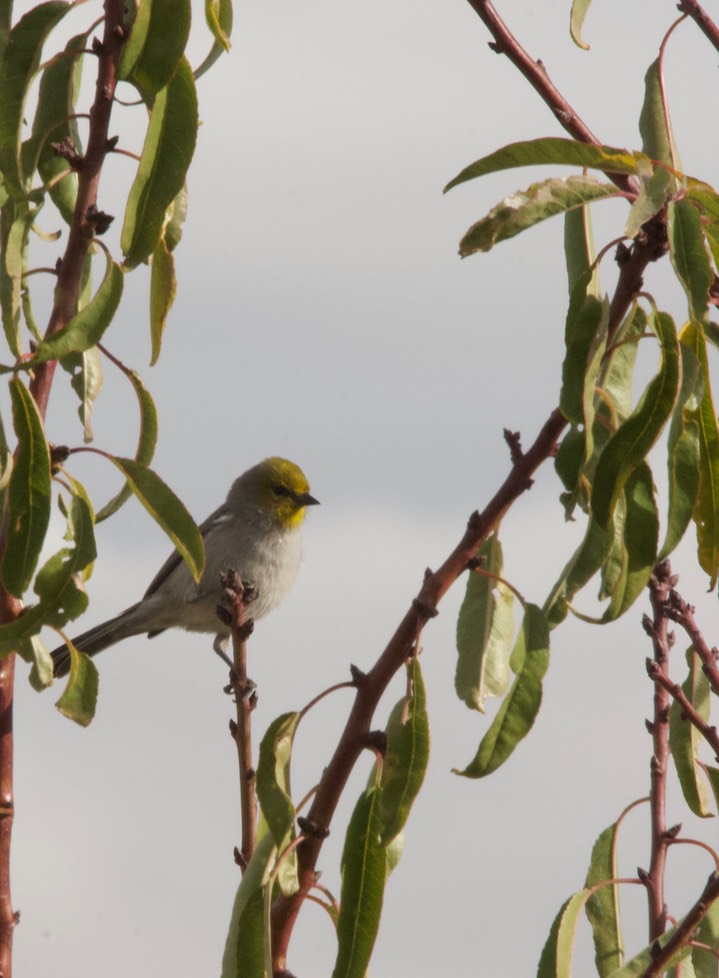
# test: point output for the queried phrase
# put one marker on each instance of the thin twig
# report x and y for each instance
(682, 935)
(658, 629)
(536, 74)
(708, 731)
(702, 20)
(683, 614)
(245, 701)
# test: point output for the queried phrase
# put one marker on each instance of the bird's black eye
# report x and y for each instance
(281, 491)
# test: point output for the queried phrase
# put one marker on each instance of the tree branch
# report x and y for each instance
(683, 934)
(658, 629)
(536, 74)
(702, 20)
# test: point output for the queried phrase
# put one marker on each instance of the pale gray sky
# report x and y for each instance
(323, 314)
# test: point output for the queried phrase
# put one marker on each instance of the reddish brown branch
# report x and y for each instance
(683, 934)
(536, 74)
(371, 686)
(708, 731)
(243, 688)
(702, 20)
(683, 614)
(658, 629)
(84, 226)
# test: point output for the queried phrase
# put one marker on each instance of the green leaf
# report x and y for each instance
(364, 870)
(689, 255)
(34, 651)
(10, 268)
(273, 791)
(640, 533)
(54, 123)
(16, 265)
(166, 156)
(524, 209)
(581, 567)
(585, 338)
(556, 959)
(603, 904)
(218, 14)
(29, 493)
(705, 963)
(86, 328)
(485, 629)
(87, 383)
(576, 22)
(146, 442)
(516, 715)
(654, 118)
(163, 286)
(406, 758)
(684, 738)
(683, 453)
(79, 700)
(166, 510)
(18, 65)
(176, 217)
(652, 196)
(246, 952)
(579, 251)
(706, 510)
(551, 150)
(628, 447)
(156, 44)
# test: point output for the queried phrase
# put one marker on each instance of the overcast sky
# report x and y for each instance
(323, 314)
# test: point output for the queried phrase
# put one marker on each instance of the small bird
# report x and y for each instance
(256, 533)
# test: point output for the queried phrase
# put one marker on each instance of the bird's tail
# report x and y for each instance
(98, 638)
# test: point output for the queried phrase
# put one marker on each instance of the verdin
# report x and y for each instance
(256, 533)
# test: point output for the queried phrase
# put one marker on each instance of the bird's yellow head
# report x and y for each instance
(283, 490)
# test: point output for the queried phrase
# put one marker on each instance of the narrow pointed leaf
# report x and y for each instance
(156, 44)
(706, 510)
(652, 196)
(146, 442)
(19, 63)
(552, 150)
(576, 22)
(684, 738)
(273, 775)
(525, 208)
(246, 952)
(405, 761)
(274, 794)
(683, 453)
(364, 871)
(218, 14)
(640, 534)
(516, 716)
(86, 327)
(87, 383)
(637, 966)
(79, 700)
(631, 443)
(167, 511)
(579, 251)
(36, 653)
(585, 338)
(581, 567)
(705, 963)
(163, 286)
(53, 123)
(556, 959)
(29, 493)
(603, 904)
(485, 629)
(689, 255)
(166, 155)
(16, 265)
(654, 119)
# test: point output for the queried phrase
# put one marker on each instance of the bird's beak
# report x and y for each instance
(306, 500)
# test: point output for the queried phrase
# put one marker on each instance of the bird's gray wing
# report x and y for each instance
(174, 560)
